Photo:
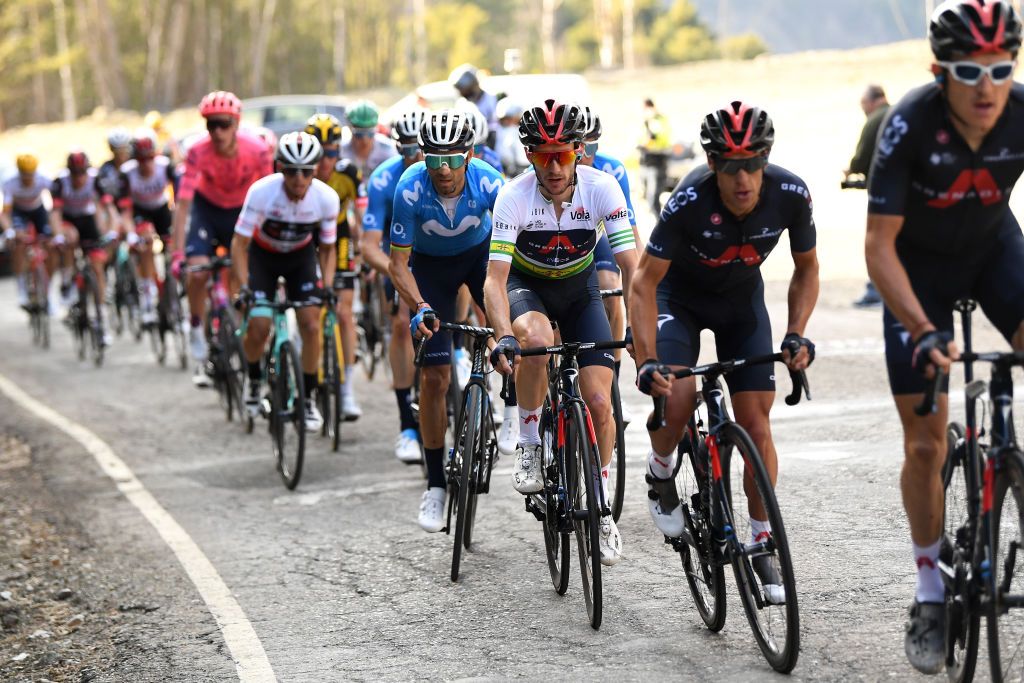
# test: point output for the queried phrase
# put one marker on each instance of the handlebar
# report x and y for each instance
(854, 183)
(929, 404)
(608, 293)
(217, 263)
(430, 318)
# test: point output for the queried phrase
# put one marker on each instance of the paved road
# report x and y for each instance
(338, 582)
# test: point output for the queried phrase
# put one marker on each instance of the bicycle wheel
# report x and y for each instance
(1005, 618)
(464, 456)
(962, 623)
(329, 392)
(617, 466)
(118, 299)
(175, 318)
(580, 460)
(133, 307)
(556, 543)
(287, 415)
(233, 367)
(746, 484)
(92, 300)
(704, 576)
(483, 460)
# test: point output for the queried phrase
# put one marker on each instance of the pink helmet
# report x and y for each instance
(220, 102)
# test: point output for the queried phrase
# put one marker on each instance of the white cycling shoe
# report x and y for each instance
(407, 447)
(526, 473)
(431, 518)
(610, 541)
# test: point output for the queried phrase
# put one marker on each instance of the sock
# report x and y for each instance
(404, 399)
(759, 531)
(147, 288)
(929, 580)
(604, 484)
(529, 421)
(196, 321)
(662, 466)
(435, 467)
(346, 386)
(511, 400)
(255, 371)
(66, 276)
(309, 381)
(23, 282)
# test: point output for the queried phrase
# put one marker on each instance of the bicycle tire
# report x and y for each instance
(963, 623)
(233, 367)
(464, 455)
(95, 322)
(1006, 634)
(556, 543)
(134, 305)
(330, 391)
(705, 577)
(288, 412)
(738, 452)
(617, 466)
(483, 461)
(176, 320)
(586, 515)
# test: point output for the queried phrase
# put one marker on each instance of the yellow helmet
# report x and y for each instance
(324, 127)
(154, 120)
(27, 163)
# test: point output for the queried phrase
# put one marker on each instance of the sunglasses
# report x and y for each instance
(589, 149)
(214, 124)
(409, 151)
(332, 153)
(363, 133)
(292, 171)
(734, 166)
(545, 158)
(971, 73)
(452, 161)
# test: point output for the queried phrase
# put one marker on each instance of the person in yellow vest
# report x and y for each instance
(655, 150)
(165, 141)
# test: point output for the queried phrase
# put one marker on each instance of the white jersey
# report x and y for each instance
(146, 193)
(25, 198)
(74, 201)
(282, 225)
(527, 234)
(383, 149)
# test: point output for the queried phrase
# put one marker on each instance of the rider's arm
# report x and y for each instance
(504, 233)
(328, 254)
(496, 298)
(403, 225)
(369, 245)
(328, 247)
(616, 216)
(627, 262)
(890, 277)
(249, 221)
(803, 290)
(240, 258)
(643, 306)
(183, 198)
(373, 223)
(403, 279)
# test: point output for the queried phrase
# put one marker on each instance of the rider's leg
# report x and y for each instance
(609, 279)
(595, 386)
(308, 318)
(751, 410)
(531, 329)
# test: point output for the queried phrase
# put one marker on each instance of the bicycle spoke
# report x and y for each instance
(1006, 619)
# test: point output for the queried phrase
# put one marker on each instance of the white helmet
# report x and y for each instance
(476, 120)
(406, 125)
(507, 108)
(445, 132)
(119, 138)
(462, 77)
(298, 149)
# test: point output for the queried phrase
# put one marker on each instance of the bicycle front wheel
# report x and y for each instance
(287, 415)
(582, 477)
(617, 469)
(763, 567)
(464, 455)
(962, 622)
(329, 391)
(234, 367)
(1005, 616)
(556, 542)
(175, 320)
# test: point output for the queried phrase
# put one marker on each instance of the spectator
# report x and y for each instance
(655, 150)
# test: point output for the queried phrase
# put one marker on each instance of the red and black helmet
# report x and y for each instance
(77, 161)
(969, 27)
(220, 102)
(739, 129)
(552, 123)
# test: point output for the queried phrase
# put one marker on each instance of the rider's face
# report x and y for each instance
(554, 176)
(449, 181)
(739, 191)
(362, 142)
(980, 105)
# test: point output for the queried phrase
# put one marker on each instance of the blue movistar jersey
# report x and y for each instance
(380, 194)
(614, 167)
(424, 224)
(491, 157)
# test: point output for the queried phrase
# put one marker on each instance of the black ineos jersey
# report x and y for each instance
(712, 250)
(953, 200)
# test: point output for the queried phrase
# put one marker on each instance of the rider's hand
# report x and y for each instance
(245, 298)
(651, 379)
(797, 351)
(506, 346)
(933, 350)
(132, 239)
(628, 338)
(419, 327)
(177, 261)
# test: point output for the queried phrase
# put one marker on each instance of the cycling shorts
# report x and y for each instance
(298, 268)
(439, 279)
(603, 257)
(739, 321)
(38, 217)
(574, 303)
(212, 226)
(88, 230)
(160, 217)
(995, 281)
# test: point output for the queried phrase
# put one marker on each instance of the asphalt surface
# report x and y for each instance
(340, 583)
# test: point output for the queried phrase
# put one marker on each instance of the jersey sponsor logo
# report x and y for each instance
(580, 214)
(558, 242)
(398, 229)
(537, 212)
(766, 233)
(716, 219)
(381, 181)
(664, 318)
(892, 135)
(745, 254)
(488, 186)
(369, 220)
(946, 158)
(1004, 155)
(713, 234)
(799, 189)
(618, 214)
(413, 196)
(980, 180)
(679, 199)
(611, 169)
(432, 227)
(942, 136)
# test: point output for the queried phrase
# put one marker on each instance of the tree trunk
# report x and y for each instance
(547, 33)
(106, 33)
(259, 52)
(172, 58)
(215, 36)
(628, 50)
(88, 37)
(420, 34)
(154, 41)
(200, 58)
(39, 112)
(67, 92)
(338, 57)
(603, 26)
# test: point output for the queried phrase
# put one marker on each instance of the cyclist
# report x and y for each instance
(77, 197)
(464, 78)
(702, 270)
(165, 142)
(655, 151)
(481, 131)
(546, 227)
(23, 205)
(506, 142)
(442, 223)
(342, 176)
(938, 231)
(375, 243)
(142, 197)
(275, 237)
(219, 169)
(366, 148)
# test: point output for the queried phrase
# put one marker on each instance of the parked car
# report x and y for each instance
(286, 113)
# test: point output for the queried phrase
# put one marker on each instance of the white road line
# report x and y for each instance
(250, 659)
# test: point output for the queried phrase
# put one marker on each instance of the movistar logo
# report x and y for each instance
(433, 227)
(413, 196)
(381, 181)
(487, 186)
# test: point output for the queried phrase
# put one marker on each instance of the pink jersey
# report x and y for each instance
(223, 181)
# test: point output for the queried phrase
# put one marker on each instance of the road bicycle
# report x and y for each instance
(38, 285)
(373, 325)
(332, 371)
(171, 318)
(721, 481)
(85, 316)
(125, 295)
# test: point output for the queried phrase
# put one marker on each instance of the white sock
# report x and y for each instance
(529, 424)
(23, 283)
(346, 386)
(929, 580)
(662, 466)
(758, 528)
(148, 288)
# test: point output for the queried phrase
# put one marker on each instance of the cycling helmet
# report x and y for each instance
(119, 138)
(463, 77)
(446, 132)
(153, 120)
(220, 102)
(967, 27)
(362, 114)
(476, 119)
(298, 149)
(144, 144)
(324, 127)
(27, 163)
(592, 124)
(551, 123)
(406, 127)
(739, 129)
(507, 108)
(268, 137)
(77, 161)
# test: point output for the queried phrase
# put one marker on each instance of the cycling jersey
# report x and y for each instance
(528, 235)
(713, 251)
(282, 225)
(953, 200)
(616, 169)
(424, 224)
(25, 198)
(109, 177)
(135, 190)
(383, 149)
(347, 183)
(491, 157)
(224, 181)
(380, 196)
(73, 201)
